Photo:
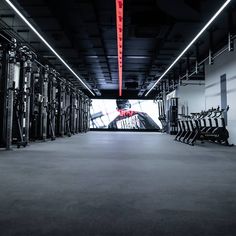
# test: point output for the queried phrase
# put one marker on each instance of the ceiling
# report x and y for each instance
(83, 32)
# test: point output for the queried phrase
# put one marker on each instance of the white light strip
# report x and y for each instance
(138, 57)
(48, 45)
(191, 43)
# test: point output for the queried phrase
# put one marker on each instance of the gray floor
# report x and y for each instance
(105, 184)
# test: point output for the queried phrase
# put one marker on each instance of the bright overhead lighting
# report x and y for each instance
(93, 57)
(119, 29)
(112, 57)
(48, 45)
(190, 44)
(130, 57)
(137, 57)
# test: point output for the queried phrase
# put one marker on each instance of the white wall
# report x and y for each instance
(224, 64)
(191, 96)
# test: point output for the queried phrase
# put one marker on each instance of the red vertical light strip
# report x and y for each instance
(119, 29)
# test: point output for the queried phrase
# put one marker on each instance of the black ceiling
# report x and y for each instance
(84, 34)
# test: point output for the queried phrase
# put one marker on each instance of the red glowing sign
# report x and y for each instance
(119, 29)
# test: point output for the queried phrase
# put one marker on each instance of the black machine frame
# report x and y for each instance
(36, 102)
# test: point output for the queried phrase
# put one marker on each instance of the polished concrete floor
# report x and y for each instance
(105, 184)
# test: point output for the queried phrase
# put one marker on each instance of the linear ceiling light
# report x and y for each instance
(137, 57)
(190, 44)
(48, 45)
(119, 29)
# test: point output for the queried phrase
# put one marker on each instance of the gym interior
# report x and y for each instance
(117, 118)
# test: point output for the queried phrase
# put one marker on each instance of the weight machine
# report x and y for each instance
(172, 116)
(8, 63)
(168, 114)
(36, 102)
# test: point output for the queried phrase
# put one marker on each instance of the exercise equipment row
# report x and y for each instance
(36, 102)
(207, 125)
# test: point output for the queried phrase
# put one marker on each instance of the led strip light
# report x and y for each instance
(190, 44)
(48, 45)
(119, 29)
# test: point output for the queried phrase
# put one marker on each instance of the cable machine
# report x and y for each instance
(36, 102)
